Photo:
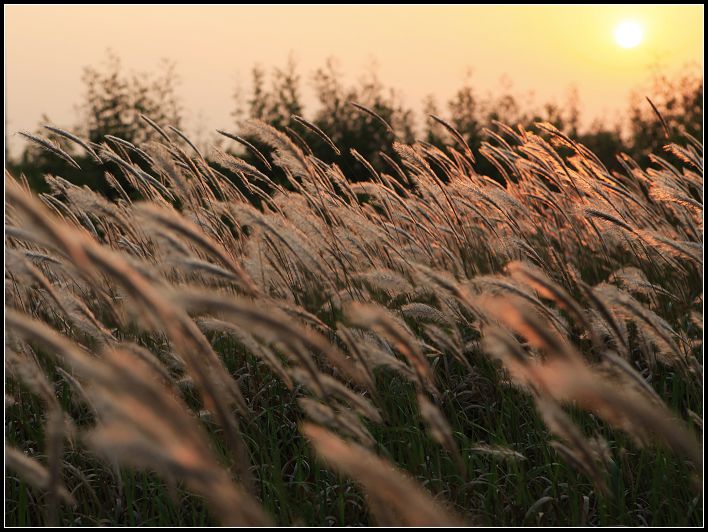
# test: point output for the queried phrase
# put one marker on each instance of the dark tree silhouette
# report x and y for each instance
(678, 100)
(112, 104)
(114, 100)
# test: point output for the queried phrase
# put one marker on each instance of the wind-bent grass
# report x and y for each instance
(332, 355)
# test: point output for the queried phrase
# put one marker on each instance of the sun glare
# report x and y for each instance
(628, 34)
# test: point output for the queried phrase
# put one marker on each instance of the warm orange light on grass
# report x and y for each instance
(629, 34)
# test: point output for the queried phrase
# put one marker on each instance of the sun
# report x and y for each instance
(628, 34)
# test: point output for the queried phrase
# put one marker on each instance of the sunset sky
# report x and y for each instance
(418, 49)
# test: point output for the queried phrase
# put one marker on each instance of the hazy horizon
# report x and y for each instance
(419, 50)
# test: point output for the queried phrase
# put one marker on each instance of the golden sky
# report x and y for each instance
(418, 49)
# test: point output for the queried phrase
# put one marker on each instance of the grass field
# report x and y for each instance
(426, 347)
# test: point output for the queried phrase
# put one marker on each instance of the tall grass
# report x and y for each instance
(426, 347)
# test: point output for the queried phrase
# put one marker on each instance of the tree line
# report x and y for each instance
(114, 100)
